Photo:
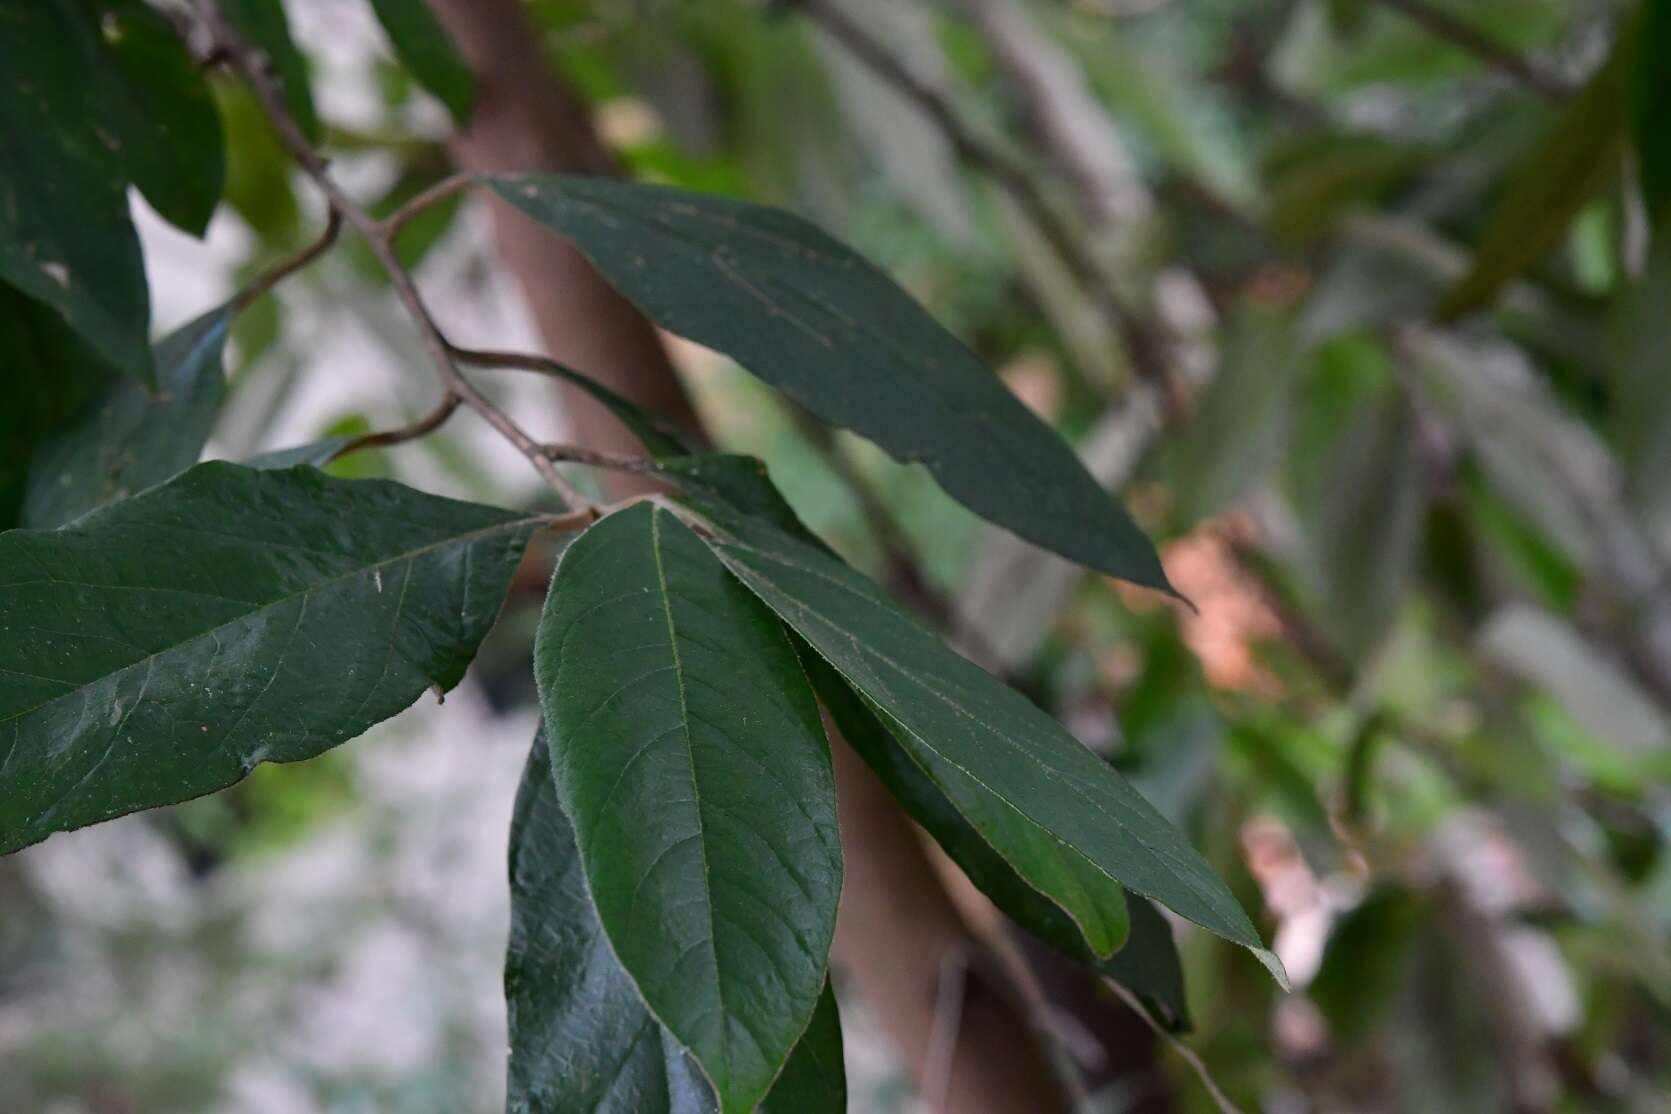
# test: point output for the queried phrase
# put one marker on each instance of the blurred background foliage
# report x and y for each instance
(1413, 471)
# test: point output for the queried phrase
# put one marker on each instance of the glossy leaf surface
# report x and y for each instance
(159, 648)
(689, 752)
(128, 438)
(812, 318)
(581, 1038)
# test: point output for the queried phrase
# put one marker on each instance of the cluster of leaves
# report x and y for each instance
(165, 626)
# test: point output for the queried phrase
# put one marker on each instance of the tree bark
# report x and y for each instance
(897, 926)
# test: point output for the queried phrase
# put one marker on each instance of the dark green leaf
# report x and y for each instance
(1580, 155)
(1149, 965)
(264, 24)
(1651, 108)
(65, 235)
(161, 647)
(689, 752)
(985, 859)
(50, 375)
(427, 51)
(816, 321)
(162, 115)
(581, 1038)
(1003, 764)
(129, 439)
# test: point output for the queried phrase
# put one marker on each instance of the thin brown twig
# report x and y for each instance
(421, 427)
(1188, 1054)
(1145, 347)
(288, 266)
(596, 458)
(258, 71)
(1466, 37)
(449, 186)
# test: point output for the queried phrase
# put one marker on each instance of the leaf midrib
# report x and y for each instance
(317, 586)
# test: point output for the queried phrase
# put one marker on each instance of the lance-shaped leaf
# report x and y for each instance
(315, 454)
(428, 52)
(812, 318)
(581, 1037)
(1003, 764)
(1147, 960)
(65, 236)
(688, 750)
(159, 648)
(128, 439)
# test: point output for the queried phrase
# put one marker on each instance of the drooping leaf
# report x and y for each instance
(162, 114)
(161, 647)
(263, 22)
(1149, 965)
(128, 439)
(66, 239)
(1581, 153)
(581, 1038)
(428, 52)
(986, 748)
(809, 316)
(1650, 94)
(689, 752)
(984, 858)
(51, 373)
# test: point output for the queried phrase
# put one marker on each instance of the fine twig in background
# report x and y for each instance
(291, 264)
(1144, 346)
(258, 72)
(1466, 37)
(421, 427)
(951, 988)
(1184, 1051)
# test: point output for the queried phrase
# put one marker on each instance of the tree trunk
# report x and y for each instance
(897, 926)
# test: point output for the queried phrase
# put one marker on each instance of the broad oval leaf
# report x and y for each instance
(159, 648)
(426, 50)
(128, 439)
(581, 1038)
(812, 318)
(983, 745)
(66, 239)
(689, 752)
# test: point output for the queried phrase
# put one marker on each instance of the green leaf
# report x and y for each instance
(690, 754)
(985, 859)
(66, 239)
(1579, 156)
(263, 22)
(159, 648)
(1150, 966)
(1650, 94)
(315, 454)
(581, 1038)
(986, 748)
(50, 375)
(128, 439)
(425, 49)
(163, 115)
(812, 318)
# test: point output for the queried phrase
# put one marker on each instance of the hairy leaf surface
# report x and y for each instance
(128, 439)
(812, 318)
(581, 1037)
(159, 648)
(688, 749)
